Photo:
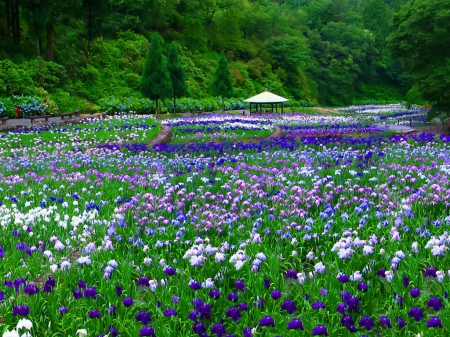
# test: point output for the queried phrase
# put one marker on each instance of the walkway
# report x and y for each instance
(24, 122)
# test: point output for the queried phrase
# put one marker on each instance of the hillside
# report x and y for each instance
(331, 52)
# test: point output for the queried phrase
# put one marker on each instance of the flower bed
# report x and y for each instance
(115, 130)
(331, 236)
(219, 128)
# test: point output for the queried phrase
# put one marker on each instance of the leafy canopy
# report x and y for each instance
(222, 84)
(420, 38)
(176, 72)
(155, 81)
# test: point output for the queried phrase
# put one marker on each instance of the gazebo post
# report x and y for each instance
(282, 104)
(276, 107)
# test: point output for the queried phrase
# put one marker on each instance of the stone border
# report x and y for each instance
(163, 137)
(277, 133)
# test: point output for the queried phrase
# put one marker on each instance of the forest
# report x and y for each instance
(327, 52)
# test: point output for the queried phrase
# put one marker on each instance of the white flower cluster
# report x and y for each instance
(23, 325)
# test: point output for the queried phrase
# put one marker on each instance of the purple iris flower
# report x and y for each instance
(366, 322)
(169, 271)
(143, 317)
(195, 285)
(289, 306)
(405, 281)
(119, 290)
(318, 305)
(77, 294)
(276, 294)
(111, 310)
(401, 323)
(143, 281)
(362, 287)
(295, 324)
(233, 297)
(320, 330)
(347, 321)
(416, 313)
(199, 328)
(113, 331)
(218, 329)
(49, 285)
(291, 274)
(94, 314)
(147, 331)
(434, 322)
(267, 321)
(385, 322)
(233, 313)
(170, 312)
(90, 292)
(414, 292)
(214, 294)
(127, 301)
(240, 285)
(243, 306)
(435, 303)
(430, 272)
(30, 289)
(343, 278)
(21, 310)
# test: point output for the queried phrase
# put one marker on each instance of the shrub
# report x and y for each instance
(67, 102)
(35, 106)
(7, 108)
(114, 105)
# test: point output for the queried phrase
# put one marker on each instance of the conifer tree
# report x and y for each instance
(176, 73)
(222, 84)
(155, 82)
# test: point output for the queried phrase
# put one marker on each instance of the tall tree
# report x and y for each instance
(177, 75)
(222, 84)
(376, 20)
(155, 81)
(421, 39)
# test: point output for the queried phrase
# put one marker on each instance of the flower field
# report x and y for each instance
(388, 114)
(300, 235)
(219, 128)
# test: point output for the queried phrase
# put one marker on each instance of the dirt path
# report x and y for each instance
(320, 109)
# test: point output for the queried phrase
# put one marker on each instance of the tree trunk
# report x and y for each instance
(16, 22)
(89, 26)
(38, 49)
(8, 28)
(50, 44)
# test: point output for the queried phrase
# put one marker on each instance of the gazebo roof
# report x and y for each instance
(266, 97)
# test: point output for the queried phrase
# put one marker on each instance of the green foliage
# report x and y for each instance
(115, 105)
(316, 50)
(15, 80)
(67, 102)
(176, 72)
(7, 108)
(35, 105)
(222, 84)
(155, 82)
(420, 40)
(48, 75)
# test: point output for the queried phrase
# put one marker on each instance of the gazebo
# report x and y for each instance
(266, 98)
